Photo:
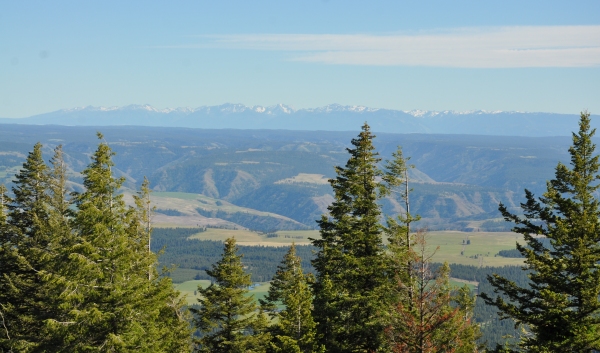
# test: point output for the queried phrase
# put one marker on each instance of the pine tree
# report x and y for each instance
(560, 311)
(227, 318)
(429, 317)
(101, 297)
(166, 321)
(395, 181)
(58, 190)
(350, 263)
(27, 287)
(4, 200)
(294, 329)
(5, 268)
(62, 235)
(115, 306)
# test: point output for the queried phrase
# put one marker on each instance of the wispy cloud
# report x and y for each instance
(500, 47)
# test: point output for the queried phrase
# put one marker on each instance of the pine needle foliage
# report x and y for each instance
(79, 279)
(116, 304)
(293, 328)
(27, 248)
(399, 231)
(560, 311)
(227, 319)
(350, 266)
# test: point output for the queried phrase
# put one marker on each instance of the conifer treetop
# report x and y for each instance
(561, 309)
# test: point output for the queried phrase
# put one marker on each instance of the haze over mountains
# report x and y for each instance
(273, 159)
(332, 117)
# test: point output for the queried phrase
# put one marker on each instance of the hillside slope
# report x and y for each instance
(458, 180)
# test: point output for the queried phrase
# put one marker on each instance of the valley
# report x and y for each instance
(277, 180)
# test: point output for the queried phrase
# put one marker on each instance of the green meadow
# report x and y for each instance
(448, 246)
(189, 290)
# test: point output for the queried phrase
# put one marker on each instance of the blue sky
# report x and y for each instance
(430, 55)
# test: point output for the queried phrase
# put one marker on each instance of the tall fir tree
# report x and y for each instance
(103, 306)
(4, 200)
(227, 317)
(27, 249)
(560, 311)
(115, 306)
(57, 187)
(350, 263)
(293, 329)
(399, 231)
(62, 235)
(5, 268)
(165, 321)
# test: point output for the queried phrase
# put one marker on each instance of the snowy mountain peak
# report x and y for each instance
(332, 117)
(231, 108)
(433, 113)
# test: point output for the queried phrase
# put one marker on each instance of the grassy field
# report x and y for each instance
(460, 283)
(177, 195)
(449, 244)
(246, 237)
(188, 288)
(305, 178)
(481, 251)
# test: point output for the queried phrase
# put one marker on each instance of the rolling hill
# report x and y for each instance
(458, 180)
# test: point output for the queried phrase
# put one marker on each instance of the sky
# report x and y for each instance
(536, 56)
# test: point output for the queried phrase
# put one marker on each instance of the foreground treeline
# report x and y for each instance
(261, 262)
(76, 270)
(78, 274)
(367, 298)
(364, 296)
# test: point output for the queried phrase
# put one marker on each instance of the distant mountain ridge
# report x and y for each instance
(333, 117)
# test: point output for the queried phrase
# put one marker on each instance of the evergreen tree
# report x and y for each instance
(102, 304)
(62, 235)
(27, 287)
(294, 329)
(227, 317)
(84, 280)
(399, 230)
(4, 200)
(166, 321)
(350, 263)
(58, 191)
(5, 268)
(560, 310)
(115, 306)
(429, 318)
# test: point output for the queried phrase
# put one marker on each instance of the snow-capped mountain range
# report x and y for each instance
(333, 117)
